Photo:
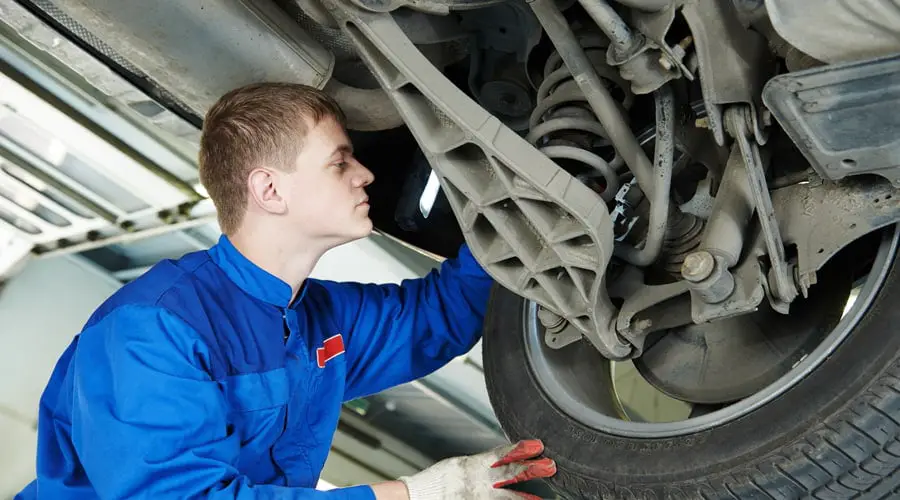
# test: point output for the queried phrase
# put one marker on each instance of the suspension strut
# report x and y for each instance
(654, 183)
(564, 128)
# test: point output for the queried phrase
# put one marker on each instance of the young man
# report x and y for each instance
(221, 374)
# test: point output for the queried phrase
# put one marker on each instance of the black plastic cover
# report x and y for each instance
(844, 118)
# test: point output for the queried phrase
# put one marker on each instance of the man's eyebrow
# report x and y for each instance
(343, 149)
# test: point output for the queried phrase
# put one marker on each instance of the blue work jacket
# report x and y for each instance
(201, 380)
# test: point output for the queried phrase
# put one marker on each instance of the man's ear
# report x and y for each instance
(265, 190)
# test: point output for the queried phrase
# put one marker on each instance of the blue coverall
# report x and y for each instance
(200, 379)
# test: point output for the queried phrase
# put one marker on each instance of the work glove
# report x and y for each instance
(482, 476)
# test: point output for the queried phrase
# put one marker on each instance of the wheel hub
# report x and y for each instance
(766, 365)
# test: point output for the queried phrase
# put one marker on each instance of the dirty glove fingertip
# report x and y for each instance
(535, 469)
(523, 450)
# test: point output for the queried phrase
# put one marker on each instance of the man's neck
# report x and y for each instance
(289, 260)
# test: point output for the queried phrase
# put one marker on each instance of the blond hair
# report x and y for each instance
(261, 123)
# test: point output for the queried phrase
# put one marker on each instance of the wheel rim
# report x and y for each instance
(588, 395)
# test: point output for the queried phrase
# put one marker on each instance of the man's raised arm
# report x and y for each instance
(398, 333)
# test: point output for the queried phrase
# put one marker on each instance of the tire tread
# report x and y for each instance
(852, 453)
(864, 446)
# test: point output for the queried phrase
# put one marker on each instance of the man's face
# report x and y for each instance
(325, 194)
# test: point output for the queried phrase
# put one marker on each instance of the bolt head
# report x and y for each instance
(697, 266)
(665, 62)
(550, 320)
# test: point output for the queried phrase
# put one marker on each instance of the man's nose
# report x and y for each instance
(364, 178)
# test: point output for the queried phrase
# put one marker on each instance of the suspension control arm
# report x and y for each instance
(534, 228)
(739, 119)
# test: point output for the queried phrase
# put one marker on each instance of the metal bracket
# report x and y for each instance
(822, 219)
(746, 297)
(734, 61)
(640, 314)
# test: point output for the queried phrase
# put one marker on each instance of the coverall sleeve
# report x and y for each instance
(398, 333)
(148, 420)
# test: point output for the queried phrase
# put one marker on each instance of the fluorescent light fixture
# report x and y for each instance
(429, 194)
(13, 250)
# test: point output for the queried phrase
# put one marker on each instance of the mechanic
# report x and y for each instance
(222, 374)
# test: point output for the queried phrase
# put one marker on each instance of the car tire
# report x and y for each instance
(833, 435)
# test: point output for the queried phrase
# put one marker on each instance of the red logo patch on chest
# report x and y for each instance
(332, 348)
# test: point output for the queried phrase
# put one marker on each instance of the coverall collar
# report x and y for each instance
(254, 280)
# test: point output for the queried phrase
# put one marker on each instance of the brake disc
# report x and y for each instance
(727, 360)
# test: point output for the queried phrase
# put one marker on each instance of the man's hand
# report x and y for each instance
(482, 476)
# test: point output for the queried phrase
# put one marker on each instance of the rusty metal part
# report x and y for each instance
(820, 219)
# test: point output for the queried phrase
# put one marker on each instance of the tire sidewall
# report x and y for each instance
(586, 454)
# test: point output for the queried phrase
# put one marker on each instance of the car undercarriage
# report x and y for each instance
(694, 186)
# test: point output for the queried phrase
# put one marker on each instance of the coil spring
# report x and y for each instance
(563, 126)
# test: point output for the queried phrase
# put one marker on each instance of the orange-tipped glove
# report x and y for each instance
(482, 476)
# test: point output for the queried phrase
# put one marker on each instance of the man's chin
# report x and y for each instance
(367, 227)
(363, 230)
